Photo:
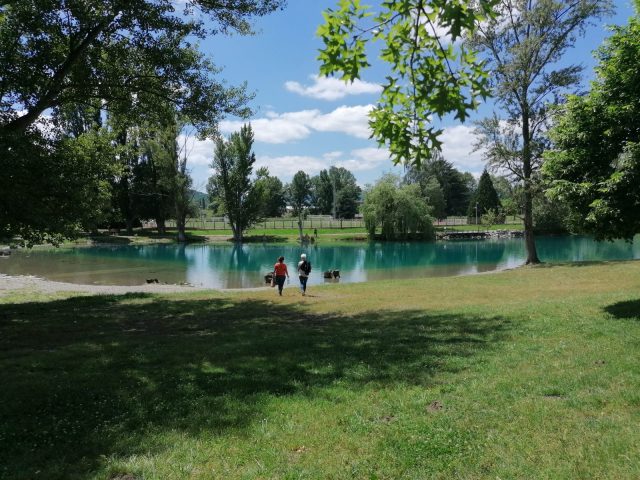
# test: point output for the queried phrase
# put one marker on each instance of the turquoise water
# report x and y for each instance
(228, 266)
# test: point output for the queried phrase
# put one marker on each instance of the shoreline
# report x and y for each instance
(12, 283)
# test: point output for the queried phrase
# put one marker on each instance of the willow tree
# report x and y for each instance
(522, 46)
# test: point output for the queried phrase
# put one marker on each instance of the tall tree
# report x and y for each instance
(431, 73)
(523, 45)
(453, 183)
(594, 168)
(486, 197)
(435, 198)
(347, 201)
(233, 165)
(155, 175)
(327, 191)
(272, 195)
(300, 196)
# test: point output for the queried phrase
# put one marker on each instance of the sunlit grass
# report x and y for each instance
(531, 373)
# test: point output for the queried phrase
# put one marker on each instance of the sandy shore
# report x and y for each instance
(10, 283)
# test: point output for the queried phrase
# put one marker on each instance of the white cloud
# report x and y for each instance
(353, 121)
(199, 152)
(457, 147)
(292, 126)
(286, 166)
(364, 159)
(328, 88)
(332, 155)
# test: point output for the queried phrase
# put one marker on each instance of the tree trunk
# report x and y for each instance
(161, 226)
(530, 242)
(237, 233)
(180, 225)
(300, 227)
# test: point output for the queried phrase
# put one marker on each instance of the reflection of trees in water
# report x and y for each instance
(403, 255)
(234, 266)
(391, 255)
(343, 258)
(563, 249)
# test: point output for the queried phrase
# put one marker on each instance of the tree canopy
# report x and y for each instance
(66, 65)
(123, 53)
(594, 167)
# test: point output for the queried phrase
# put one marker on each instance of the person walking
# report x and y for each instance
(281, 273)
(304, 269)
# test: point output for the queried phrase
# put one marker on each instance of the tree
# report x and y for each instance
(327, 192)
(233, 165)
(435, 198)
(594, 167)
(485, 199)
(272, 195)
(182, 182)
(56, 52)
(46, 194)
(398, 211)
(347, 201)
(431, 73)
(64, 63)
(523, 45)
(322, 193)
(300, 196)
(154, 176)
(454, 184)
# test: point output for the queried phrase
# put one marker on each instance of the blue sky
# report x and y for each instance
(307, 123)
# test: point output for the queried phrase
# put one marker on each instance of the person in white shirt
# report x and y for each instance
(304, 269)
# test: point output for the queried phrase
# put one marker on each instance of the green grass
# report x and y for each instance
(531, 373)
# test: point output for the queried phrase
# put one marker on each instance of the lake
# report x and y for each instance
(229, 266)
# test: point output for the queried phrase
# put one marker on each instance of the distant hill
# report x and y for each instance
(198, 197)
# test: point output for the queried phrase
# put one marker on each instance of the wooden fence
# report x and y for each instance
(309, 223)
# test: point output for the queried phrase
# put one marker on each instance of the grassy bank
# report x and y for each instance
(531, 373)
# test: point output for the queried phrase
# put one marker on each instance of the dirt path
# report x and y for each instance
(10, 283)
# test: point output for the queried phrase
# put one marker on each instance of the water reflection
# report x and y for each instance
(241, 266)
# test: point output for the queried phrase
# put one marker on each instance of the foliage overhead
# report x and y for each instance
(595, 165)
(430, 72)
(123, 53)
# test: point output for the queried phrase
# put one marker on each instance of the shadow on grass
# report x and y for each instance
(109, 239)
(628, 309)
(88, 377)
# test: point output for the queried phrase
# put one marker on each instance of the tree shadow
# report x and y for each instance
(88, 377)
(627, 309)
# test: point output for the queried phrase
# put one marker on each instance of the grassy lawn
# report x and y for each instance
(531, 374)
